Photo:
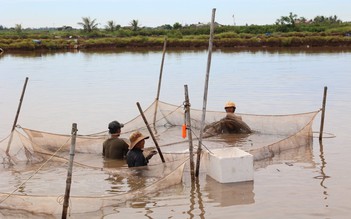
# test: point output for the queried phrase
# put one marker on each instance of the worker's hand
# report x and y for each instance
(152, 153)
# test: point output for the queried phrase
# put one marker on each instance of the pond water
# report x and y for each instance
(92, 88)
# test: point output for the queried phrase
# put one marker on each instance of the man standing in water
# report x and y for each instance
(114, 147)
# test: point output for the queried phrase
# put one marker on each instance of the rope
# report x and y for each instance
(202, 142)
(60, 199)
(75, 162)
(54, 154)
(330, 135)
(151, 125)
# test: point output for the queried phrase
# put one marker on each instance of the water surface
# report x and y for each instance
(93, 88)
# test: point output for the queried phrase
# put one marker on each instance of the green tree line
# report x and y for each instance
(289, 30)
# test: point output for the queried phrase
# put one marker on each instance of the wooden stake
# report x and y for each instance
(323, 113)
(205, 92)
(69, 172)
(150, 131)
(190, 137)
(16, 117)
(159, 81)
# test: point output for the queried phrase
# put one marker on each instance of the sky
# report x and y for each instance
(153, 13)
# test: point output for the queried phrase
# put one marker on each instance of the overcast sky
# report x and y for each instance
(152, 13)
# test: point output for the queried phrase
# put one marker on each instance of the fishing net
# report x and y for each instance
(99, 182)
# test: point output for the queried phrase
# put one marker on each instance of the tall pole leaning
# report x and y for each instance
(210, 45)
(69, 171)
(17, 114)
(159, 81)
(151, 133)
(323, 113)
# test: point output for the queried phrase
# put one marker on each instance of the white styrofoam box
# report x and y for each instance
(229, 165)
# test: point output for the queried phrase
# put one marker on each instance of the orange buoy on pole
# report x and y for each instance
(184, 131)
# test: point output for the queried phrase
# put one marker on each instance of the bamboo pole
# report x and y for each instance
(323, 113)
(150, 131)
(190, 137)
(159, 81)
(17, 114)
(69, 172)
(205, 91)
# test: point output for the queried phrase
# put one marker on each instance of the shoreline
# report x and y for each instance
(156, 43)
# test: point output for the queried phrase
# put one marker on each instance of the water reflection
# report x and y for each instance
(310, 50)
(323, 176)
(260, 88)
(9, 214)
(36, 54)
(111, 163)
(196, 197)
(170, 51)
(302, 154)
(238, 140)
(124, 181)
(228, 194)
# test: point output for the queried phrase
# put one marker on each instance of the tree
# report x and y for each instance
(177, 26)
(134, 24)
(287, 20)
(166, 27)
(88, 24)
(335, 19)
(112, 26)
(319, 19)
(331, 20)
(18, 28)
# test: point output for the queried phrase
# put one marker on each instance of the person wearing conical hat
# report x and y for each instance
(135, 156)
(115, 147)
(230, 108)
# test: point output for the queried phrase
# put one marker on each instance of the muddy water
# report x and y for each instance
(93, 88)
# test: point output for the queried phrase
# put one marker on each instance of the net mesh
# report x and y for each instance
(26, 149)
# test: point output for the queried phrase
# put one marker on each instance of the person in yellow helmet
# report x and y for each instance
(230, 124)
(230, 108)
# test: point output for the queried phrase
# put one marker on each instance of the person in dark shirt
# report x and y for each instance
(135, 156)
(114, 147)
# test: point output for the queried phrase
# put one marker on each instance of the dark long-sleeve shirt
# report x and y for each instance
(136, 158)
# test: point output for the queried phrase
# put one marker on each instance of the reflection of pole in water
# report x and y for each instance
(199, 196)
(149, 212)
(323, 176)
(195, 190)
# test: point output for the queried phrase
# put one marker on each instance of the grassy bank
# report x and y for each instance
(336, 35)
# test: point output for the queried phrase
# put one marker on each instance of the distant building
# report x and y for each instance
(199, 24)
(65, 28)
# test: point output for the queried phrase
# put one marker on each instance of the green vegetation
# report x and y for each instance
(88, 24)
(288, 31)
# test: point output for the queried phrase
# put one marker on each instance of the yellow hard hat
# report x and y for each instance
(229, 104)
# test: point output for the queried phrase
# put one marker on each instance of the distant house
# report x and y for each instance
(199, 24)
(303, 21)
(65, 28)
